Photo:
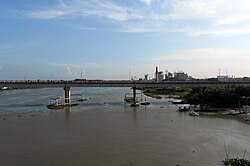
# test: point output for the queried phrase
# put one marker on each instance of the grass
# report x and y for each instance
(153, 95)
(155, 92)
(236, 162)
(82, 100)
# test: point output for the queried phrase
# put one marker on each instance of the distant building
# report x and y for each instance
(156, 74)
(224, 78)
(191, 78)
(146, 77)
(160, 76)
(168, 75)
(180, 76)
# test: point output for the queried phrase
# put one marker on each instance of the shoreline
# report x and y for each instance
(183, 94)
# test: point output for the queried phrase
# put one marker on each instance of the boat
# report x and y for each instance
(203, 108)
(176, 102)
(145, 103)
(135, 105)
(183, 109)
(233, 112)
(193, 113)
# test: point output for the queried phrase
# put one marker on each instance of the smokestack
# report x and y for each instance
(156, 73)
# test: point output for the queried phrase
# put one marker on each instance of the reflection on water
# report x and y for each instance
(106, 131)
(67, 115)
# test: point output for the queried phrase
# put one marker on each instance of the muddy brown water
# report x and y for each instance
(105, 131)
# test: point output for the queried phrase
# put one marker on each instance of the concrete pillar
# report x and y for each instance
(67, 95)
(134, 95)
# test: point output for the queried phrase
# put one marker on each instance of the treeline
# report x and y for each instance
(167, 91)
(219, 96)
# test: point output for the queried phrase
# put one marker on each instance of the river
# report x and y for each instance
(105, 131)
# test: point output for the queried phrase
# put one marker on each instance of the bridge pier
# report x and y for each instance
(67, 95)
(134, 104)
(134, 95)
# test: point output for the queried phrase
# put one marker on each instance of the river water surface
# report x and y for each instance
(105, 131)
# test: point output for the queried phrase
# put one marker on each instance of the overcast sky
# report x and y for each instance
(56, 39)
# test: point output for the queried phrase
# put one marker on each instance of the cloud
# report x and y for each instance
(83, 8)
(16, 47)
(78, 66)
(233, 19)
(89, 71)
(205, 62)
(192, 17)
(194, 9)
(65, 65)
(148, 2)
(204, 54)
(79, 27)
(220, 31)
(69, 70)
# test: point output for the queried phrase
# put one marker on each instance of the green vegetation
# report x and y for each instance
(129, 100)
(155, 92)
(82, 100)
(58, 107)
(218, 97)
(236, 162)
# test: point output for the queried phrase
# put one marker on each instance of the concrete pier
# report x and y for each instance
(134, 104)
(67, 95)
(134, 96)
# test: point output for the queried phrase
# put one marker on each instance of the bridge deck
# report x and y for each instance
(117, 83)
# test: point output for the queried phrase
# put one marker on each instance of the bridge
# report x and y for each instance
(134, 84)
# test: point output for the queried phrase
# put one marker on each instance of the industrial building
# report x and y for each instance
(180, 76)
(160, 76)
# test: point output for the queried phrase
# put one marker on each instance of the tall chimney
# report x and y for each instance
(156, 74)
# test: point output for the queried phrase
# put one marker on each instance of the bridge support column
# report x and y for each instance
(134, 104)
(67, 95)
(134, 95)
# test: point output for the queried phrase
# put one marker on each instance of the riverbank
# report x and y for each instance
(13, 88)
(223, 101)
(177, 93)
(243, 118)
(216, 97)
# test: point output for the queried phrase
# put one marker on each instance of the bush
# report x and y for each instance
(236, 162)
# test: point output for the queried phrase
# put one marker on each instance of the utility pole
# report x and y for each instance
(129, 73)
(156, 73)
(81, 73)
